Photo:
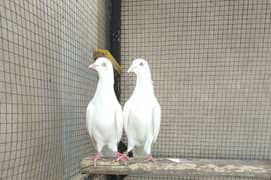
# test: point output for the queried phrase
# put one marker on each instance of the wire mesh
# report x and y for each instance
(45, 85)
(210, 63)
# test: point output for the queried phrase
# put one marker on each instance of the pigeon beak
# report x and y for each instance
(131, 69)
(92, 66)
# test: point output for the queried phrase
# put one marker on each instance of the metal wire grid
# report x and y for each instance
(45, 86)
(210, 63)
(103, 24)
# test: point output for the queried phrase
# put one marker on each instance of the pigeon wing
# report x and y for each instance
(126, 111)
(89, 117)
(156, 119)
(119, 122)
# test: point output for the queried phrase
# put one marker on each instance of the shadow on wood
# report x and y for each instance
(179, 167)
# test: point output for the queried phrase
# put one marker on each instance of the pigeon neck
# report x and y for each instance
(143, 84)
(105, 83)
(105, 86)
(106, 79)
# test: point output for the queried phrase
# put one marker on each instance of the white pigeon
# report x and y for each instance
(104, 113)
(142, 113)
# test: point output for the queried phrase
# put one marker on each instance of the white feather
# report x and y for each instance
(104, 113)
(141, 113)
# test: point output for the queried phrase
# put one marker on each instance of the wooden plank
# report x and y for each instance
(180, 167)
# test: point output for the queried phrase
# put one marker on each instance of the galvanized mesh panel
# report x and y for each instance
(103, 24)
(45, 85)
(210, 63)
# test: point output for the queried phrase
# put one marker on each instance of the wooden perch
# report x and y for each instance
(179, 167)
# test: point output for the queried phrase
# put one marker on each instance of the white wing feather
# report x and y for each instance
(126, 111)
(156, 119)
(119, 122)
(89, 115)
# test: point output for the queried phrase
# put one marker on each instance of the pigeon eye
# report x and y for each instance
(104, 64)
(141, 64)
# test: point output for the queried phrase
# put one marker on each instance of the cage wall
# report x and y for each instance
(211, 67)
(45, 86)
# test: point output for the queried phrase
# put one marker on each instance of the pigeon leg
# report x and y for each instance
(97, 155)
(121, 157)
(150, 158)
(147, 149)
(118, 156)
(95, 158)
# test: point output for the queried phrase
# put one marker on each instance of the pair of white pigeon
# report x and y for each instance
(140, 117)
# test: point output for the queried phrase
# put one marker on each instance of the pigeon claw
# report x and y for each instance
(121, 157)
(95, 158)
(150, 158)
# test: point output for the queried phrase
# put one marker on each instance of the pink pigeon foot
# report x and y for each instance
(94, 158)
(150, 158)
(121, 157)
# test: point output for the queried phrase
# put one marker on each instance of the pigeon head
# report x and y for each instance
(140, 67)
(103, 66)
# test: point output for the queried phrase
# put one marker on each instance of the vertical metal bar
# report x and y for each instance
(115, 39)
